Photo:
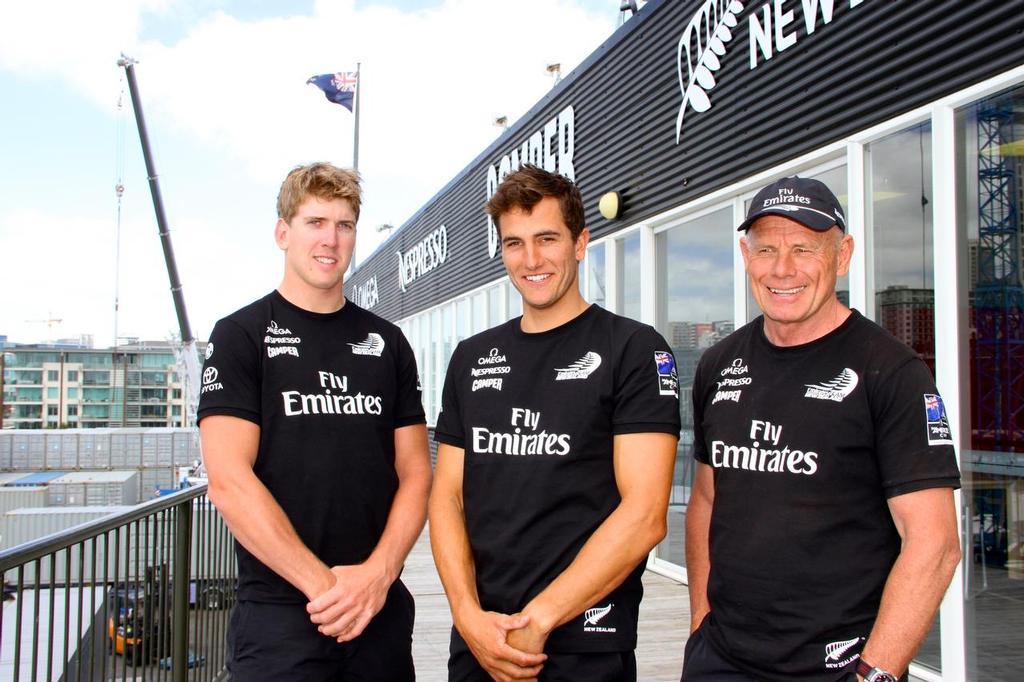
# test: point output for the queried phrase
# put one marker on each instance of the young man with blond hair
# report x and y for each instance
(314, 441)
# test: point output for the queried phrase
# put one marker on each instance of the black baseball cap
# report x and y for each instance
(808, 202)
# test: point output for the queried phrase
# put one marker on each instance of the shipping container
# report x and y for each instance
(21, 497)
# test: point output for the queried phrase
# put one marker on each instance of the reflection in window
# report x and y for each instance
(990, 181)
(901, 231)
(696, 293)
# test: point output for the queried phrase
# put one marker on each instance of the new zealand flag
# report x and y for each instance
(339, 88)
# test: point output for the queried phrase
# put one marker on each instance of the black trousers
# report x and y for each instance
(276, 642)
(614, 666)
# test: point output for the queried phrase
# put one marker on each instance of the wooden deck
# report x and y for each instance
(664, 617)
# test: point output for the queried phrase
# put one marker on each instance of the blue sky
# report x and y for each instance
(228, 112)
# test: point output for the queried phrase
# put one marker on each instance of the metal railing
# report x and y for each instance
(139, 595)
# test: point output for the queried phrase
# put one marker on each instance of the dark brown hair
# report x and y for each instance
(524, 189)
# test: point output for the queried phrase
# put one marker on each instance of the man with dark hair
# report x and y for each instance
(557, 438)
(821, 531)
(315, 445)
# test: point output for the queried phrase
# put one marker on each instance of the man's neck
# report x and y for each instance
(796, 334)
(314, 300)
(536, 320)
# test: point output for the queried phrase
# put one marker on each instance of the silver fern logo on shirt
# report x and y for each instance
(591, 618)
(835, 652)
(581, 369)
(837, 389)
(373, 345)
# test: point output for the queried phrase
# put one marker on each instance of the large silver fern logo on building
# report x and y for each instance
(703, 43)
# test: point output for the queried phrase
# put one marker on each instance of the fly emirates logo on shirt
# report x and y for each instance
(766, 452)
(333, 399)
(523, 438)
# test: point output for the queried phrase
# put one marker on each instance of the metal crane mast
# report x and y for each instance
(188, 353)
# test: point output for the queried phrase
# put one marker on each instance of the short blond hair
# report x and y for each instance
(320, 180)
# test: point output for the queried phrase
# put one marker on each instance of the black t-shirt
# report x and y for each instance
(328, 392)
(807, 444)
(536, 415)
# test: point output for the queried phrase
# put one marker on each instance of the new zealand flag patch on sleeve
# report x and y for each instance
(938, 423)
(668, 380)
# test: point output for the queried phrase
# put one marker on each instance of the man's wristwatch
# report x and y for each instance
(873, 674)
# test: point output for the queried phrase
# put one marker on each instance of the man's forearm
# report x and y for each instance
(611, 553)
(911, 597)
(452, 555)
(698, 563)
(261, 526)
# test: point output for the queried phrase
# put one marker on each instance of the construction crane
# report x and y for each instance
(187, 353)
(50, 321)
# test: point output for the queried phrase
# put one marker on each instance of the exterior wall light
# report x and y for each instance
(610, 205)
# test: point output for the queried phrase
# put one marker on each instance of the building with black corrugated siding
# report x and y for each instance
(912, 112)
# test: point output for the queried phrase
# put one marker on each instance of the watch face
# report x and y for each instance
(877, 675)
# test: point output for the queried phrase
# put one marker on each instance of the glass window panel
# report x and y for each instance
(479, 312)
(462, 320)
(901, 220)
(72, 393)
(594, 273)
(52, 375)
(629, 275)
(696, 294)
(72, 375)
(496, 305)
(835, 179)
(990, 194)
(902, 238)
(53, 392)
(437, 341)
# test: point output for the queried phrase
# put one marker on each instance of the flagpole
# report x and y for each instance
(359, 96)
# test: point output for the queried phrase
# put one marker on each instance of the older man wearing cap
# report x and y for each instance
(821, 532)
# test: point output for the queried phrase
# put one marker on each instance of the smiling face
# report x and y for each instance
(542, 260)
(318, 243)
(793, 272)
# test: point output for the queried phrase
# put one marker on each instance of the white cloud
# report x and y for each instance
(433, 82)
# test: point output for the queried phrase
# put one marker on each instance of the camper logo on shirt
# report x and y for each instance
(939, 432)
(581, 369)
